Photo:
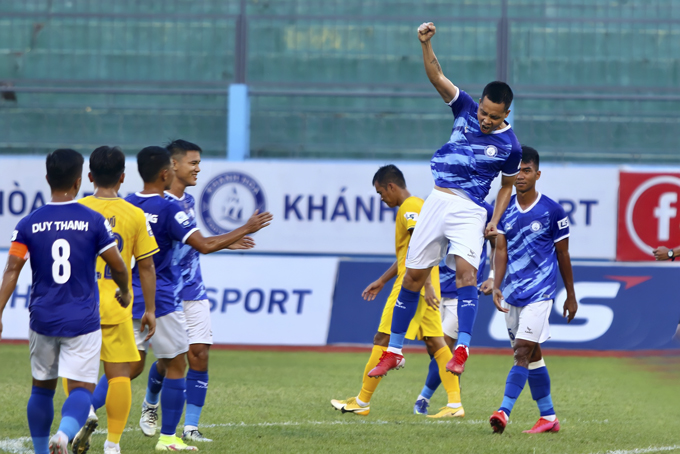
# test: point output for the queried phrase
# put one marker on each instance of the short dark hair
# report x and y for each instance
(180, 147)
(150, 162)
(499, 93)
(530, 155)
(389, 174)
(107, 164)
(64, 167)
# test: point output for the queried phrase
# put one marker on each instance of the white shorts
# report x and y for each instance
(447, 219)
(529, 322)
(170, 339)
(75, 358)
(199, 326)
(449, 312)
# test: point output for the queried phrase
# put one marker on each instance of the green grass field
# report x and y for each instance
(279, 402)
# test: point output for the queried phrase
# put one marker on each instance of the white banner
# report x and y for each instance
(254, 299)
(327, 207)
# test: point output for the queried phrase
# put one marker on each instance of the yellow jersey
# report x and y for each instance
(135, 239)
(407, 217)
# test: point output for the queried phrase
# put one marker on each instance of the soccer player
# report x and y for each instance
(186, 159)
(63, 239)
(533, 242)
(170, 226)
(449, 313)
(426, 324)
(481, 146)
(119, 349)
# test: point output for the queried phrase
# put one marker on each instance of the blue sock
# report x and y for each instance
(172, 404)
(40, 412)
(99, 394)
(197, 388)
(404, 310)
(468, 300)
(74, 412)
(513, 387)
(539, 382)
(154, 385)
(432, 381)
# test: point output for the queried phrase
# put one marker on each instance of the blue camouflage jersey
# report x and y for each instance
(471, 160)
(531, 274)
(189, 258)
(447, 276)
(170, 226)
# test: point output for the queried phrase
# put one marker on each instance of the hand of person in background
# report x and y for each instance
(258, 221)
(498, 300)
(372, 290)
(244, 243)
(487, 286)
(431, 297)
(661, 253)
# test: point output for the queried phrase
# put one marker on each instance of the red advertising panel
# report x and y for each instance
(649, 214)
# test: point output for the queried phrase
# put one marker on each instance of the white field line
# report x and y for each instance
(644, 450)
(22, 445)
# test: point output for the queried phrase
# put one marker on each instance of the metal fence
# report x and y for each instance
(594, 80)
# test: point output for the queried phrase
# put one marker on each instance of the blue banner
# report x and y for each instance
(621, 307)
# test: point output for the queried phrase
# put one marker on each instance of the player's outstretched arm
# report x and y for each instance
(500, 263)
(564, 261)
(9, 282)
(374, 287)
(119, 274)
(204, 245)
(147, 279)
(434, 72)
(502, 200)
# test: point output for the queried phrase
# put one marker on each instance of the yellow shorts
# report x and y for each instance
(118, 343)
(426, 323)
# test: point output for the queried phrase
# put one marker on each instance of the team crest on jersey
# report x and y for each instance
(411, 216)
(228, 200)
(536, 226)
(14, 236)
(491, 151)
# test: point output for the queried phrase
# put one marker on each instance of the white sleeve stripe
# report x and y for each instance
(191, 232)
(455, 98)
(108, 246)
(510, 174)
(561, 238)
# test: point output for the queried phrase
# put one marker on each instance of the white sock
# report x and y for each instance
(458, 405)
(394, 350)
(361, 403)
(92, 413)
(550, 418)
(424, 398)
(110, 444)
(188, 428)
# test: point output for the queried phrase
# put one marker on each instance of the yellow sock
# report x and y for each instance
(118, 404)
(64, 383)
(449, 380)
(369, 384)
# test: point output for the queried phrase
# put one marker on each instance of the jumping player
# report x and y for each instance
(449, 313)
(426, 324)
(481, 146)
(170, 226)
(533, 242)
(63, 239)
(135, 239)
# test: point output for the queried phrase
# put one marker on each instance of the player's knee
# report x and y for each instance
(198, 357)
(466, 279)
(415, 279)
(522, 355)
